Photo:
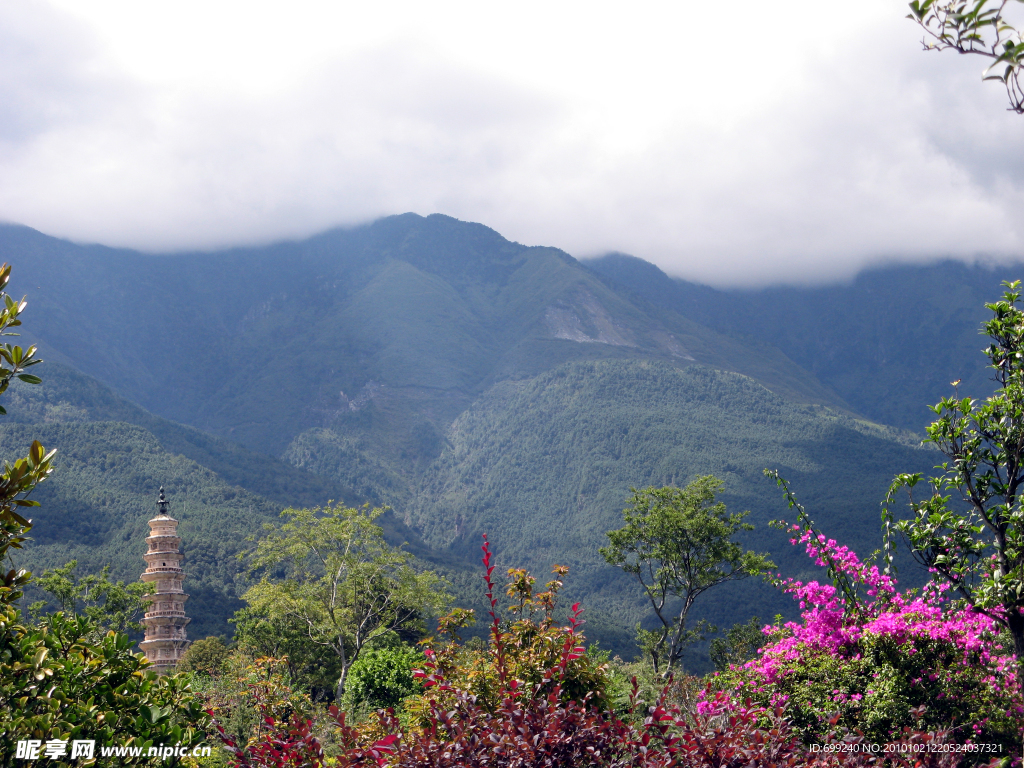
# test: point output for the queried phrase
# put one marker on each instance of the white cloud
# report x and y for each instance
(730, 144)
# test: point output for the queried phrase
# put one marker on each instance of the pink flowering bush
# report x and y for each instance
(880, 660)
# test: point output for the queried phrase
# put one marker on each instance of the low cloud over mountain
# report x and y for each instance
(796, 147)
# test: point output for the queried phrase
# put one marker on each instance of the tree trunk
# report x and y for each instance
(340, 690)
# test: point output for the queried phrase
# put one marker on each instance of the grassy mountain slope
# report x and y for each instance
(95, 507)
(888, 343)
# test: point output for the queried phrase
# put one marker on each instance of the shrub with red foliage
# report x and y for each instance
(556, 735)
(283, 745)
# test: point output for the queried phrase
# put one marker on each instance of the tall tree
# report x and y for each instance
(678, 544)
(969, 531)
(979, 28)
(342, 582)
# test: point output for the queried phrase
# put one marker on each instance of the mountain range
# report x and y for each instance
(473, 385)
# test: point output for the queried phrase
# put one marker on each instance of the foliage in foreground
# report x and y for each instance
(868, 658)
(58, 682)
(534, 724)
(975, 545)
(525, 649)
(108, 605)
(980, 28)
(249, 696)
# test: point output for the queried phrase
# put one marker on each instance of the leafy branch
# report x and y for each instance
(976, 27)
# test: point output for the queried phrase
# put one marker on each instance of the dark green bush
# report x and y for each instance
(382, 677)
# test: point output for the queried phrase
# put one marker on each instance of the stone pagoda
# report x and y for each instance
(165, 619)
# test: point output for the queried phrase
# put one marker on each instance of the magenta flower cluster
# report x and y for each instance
(840, 623)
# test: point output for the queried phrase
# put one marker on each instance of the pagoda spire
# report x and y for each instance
(164, 623)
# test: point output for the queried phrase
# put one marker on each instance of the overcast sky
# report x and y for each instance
(733, 143)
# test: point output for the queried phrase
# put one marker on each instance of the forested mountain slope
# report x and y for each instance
(67, 396)
(544, 467)
(412, 315)
(888, 343)
(113, 456)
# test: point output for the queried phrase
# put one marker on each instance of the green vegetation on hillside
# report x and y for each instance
(409, 315)
(113, 456)
(102, 494)
(545, 466)
(886, 343)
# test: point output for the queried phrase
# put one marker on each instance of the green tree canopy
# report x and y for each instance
(382, 676)
(314, 667)
(342, 582)
(110, 606)
(739, 645)
(678, 544)
(206, 657)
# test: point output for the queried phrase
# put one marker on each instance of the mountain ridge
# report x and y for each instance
(293, 325)
(889, 342)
